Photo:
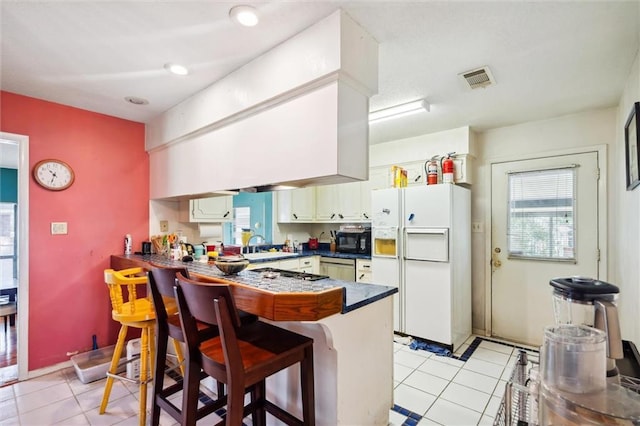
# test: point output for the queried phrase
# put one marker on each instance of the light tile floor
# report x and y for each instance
(429, 390)
(466, 389)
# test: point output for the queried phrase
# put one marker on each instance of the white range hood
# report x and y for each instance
(295, 116)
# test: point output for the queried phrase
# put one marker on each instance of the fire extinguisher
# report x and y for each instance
(447, 168)
(431, 169)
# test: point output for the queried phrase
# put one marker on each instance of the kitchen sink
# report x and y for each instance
(269, 255)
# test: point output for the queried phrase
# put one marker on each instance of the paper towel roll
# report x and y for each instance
(210, 230)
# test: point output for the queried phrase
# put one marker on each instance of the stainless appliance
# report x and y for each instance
(421, 244)
(585, 301)
(354, 241)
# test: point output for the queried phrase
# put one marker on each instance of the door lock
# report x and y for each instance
(495, 260)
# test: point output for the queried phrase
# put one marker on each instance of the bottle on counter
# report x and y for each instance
(128, 244)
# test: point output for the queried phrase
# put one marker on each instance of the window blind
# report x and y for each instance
(541, 214)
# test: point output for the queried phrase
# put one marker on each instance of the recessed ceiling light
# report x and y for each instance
(244, 15)
(136, 101)
(176, 69)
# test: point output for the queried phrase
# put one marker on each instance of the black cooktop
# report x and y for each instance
(289, 274)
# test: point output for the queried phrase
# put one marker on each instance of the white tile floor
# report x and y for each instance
(436, 390)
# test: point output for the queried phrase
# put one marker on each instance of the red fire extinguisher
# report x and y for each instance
(447, 168)
(431, 168)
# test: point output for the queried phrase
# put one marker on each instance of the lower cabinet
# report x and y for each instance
(308, 264)
(275, 265)
(363, 271)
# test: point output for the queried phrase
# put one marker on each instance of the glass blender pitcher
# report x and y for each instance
(585, 301)
(246, 235)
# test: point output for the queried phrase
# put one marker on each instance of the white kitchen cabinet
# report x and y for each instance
(310, 264)
(275, 265)
(415, 173)
(290, 264)
(338, 203)
(363, 271)
(214, 209)
(296, 205)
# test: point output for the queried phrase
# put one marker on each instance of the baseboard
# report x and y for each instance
(48, 370)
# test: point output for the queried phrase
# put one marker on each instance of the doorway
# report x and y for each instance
(545, 223)
(14, 150)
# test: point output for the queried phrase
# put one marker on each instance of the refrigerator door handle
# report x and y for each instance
(440, 231)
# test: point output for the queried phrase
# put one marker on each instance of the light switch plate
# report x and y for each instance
(58, 228)
(164, 226)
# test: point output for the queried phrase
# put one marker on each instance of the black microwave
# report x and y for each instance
(354, 241)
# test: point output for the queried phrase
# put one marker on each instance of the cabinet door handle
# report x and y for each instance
(361, 277)
(333, 215)
(418, 178)
(226, 214)
(365, 215)
(366, 266)
(295, 216)
(340, 216)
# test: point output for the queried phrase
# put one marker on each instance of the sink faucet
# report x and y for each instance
(252, 237)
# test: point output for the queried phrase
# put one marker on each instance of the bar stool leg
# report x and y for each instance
(179, 355)
(145, 352)
(307, 387)
(113, 368)
(235, 403)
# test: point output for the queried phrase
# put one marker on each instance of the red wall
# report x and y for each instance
(68, 300)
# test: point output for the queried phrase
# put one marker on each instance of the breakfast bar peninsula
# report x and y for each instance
(351, 324)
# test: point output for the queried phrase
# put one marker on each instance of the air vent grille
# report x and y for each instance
(480, 77)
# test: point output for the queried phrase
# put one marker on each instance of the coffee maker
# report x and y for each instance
(585, 301)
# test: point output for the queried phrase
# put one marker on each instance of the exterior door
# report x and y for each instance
(544, 224)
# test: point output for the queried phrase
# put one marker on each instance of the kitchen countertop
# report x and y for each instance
(307, 253)
(353, 295)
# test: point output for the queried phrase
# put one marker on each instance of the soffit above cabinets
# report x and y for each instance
(295, 116)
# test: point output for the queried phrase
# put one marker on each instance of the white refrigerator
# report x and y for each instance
(421, 238)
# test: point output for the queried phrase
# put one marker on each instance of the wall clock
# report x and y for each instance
(54, 175)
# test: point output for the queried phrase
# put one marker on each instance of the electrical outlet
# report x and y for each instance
(164, 226)
(58, 228)
(476, 227)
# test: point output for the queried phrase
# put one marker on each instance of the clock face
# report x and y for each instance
(55, 175)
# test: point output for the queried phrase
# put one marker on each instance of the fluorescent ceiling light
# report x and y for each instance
(244, 15)
(399, 110)
(176, 69)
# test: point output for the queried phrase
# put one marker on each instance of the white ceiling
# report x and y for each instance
(549, 58)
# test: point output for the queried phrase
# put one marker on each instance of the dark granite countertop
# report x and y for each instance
(306, 253)
(355, 295)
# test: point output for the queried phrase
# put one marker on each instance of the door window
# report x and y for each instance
(541, 214)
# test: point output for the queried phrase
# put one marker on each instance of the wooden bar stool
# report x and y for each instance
(161, 283)
(135, 312)
(242, 356)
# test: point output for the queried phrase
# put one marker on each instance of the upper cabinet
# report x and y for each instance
(339, 203)
(214, 209)
(296, 205)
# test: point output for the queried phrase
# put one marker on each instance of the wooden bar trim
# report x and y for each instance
(307, 306)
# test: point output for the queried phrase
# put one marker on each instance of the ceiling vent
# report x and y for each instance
(479, 77)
